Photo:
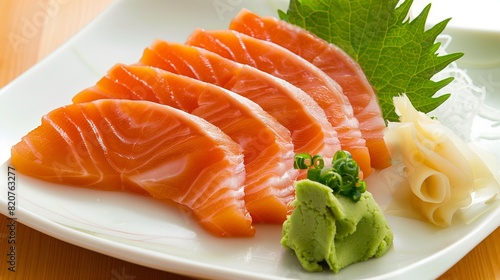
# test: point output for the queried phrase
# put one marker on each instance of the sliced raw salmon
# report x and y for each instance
(143, 147)
(336, 64)
(266, 144)
(298, 112)
(282, 63)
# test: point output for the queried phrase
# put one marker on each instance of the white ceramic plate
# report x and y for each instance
(142, 231)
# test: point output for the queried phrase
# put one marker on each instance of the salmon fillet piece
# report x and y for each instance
(282, 63)
(267, 145)
(310, 130)
(335, 63)
(142, 147)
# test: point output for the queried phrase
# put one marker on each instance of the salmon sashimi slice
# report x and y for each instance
(267, 145)
(293, 108)
(142, 147)
(284, 64)
(335, 63)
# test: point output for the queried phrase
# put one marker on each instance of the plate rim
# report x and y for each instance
(56, 230)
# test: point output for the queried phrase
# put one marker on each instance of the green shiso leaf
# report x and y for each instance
(397, 55)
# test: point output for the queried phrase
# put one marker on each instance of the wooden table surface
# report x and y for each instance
(30, 30)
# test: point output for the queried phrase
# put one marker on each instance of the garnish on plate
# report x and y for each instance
(443, 172)
(397, 55)
(342, 176)
(336, 222)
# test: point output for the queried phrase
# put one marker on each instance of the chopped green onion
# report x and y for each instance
(341, 155)
(342, 177)
(348, 182)
(355, 195)
(318, 162)
(361, 186)
(347, 166)
(302, 161)
(314, 174)
(331, 179)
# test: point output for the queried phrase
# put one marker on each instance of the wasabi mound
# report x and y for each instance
(334, 230)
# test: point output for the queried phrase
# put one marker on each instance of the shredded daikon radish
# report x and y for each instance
(466, 99)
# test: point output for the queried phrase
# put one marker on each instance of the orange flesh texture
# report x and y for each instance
(143, 147)
(336, 64)
(310, 130)
(284, 64)
(266, 144)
